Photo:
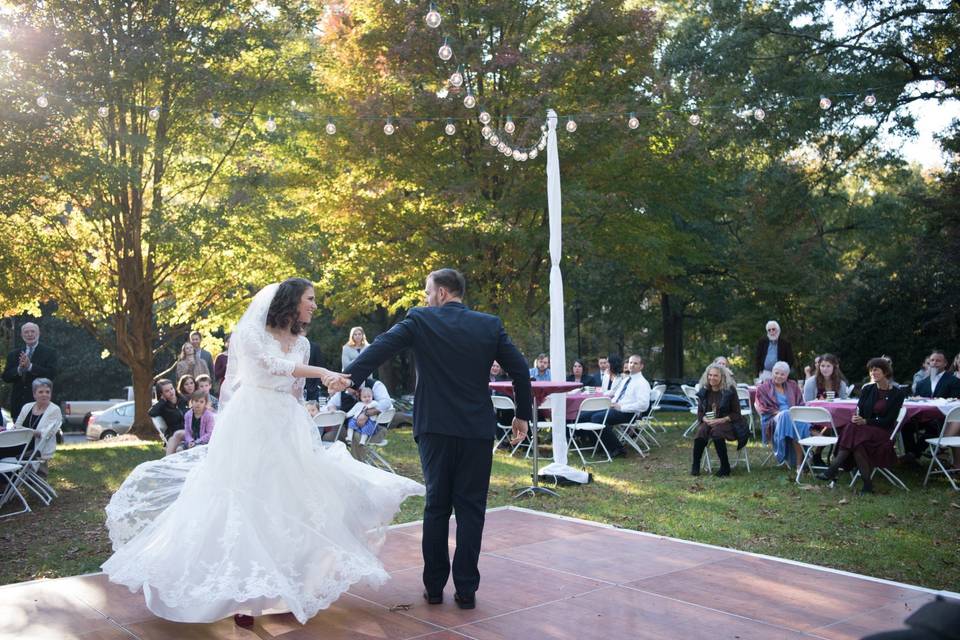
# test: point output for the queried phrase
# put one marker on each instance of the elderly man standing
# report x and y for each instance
(772, 349)
(25, 365)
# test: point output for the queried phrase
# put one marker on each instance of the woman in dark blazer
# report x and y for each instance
(718, 394)
(579, 374)
(867, 440)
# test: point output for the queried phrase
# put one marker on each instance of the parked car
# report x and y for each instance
(403, 417)
(674, 399)
(77, 413)
(112, 422)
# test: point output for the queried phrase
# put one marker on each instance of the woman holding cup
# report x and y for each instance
(828, 382)
(718, 411)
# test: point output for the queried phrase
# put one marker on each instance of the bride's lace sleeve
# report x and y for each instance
(257, 347)
(303, 348)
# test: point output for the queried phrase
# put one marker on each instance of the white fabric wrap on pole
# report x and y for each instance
(558, 347)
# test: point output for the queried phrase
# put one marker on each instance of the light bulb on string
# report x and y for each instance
(216, 119)
(870, 100)
(445, 52)
(271, 125)
(508, 150)
(516, 155)
(433, 18)
(331, 128)
(456, 78)
(486, 132)
(484, 117)
(533, 154)
(694, 119)
(939, 85)
(523, 156)
(543, 128)
(632, 121)
(825, 103)
(469, 101)
(103, 111)
(494, 140)
(542, 145)
(571, 125)
(450, 128)
(42, 101)
(508, 126)
(389, 128)
(154, 114)
(502, 146)
(759, 114)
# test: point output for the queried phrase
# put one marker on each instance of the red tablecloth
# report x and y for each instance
(541, 389)
(842, 411)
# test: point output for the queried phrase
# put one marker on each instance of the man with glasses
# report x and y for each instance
(771, 349)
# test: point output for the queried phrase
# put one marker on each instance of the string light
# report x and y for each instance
(694, 119)
(450, 128)
(484, 117)
(271, 125)
(456, 78)
(433, 18)
(154, 114)
(825, 103)
(523, 156)
(486, 132)
(542, 144)
(759, 114)
(330, 128)
(494, 140)
(507, 150)
(508, 126)
(516, 154)
(469, 101)
(389, 128)
(571, 125)
(870, 100)
(216, 119)
(445, 52)
(633, 122)
(501, 146)
(939, 85)
(533, 154)
(42, 101)
(103, 111)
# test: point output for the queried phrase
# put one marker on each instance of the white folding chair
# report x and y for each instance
(885, 472)
(743, 393)
(325, 420)
(503, 403)
(691, 394)
(650, 420)
(944, 442)
(15, 472)
(813, 415)
(379, 440)
(590, 405)
(161, 426)
(631, 433)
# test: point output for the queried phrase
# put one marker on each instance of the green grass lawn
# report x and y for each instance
(904, 536)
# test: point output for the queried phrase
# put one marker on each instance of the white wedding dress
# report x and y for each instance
(264, 519)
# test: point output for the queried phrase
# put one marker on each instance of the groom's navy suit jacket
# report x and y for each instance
(454, 348)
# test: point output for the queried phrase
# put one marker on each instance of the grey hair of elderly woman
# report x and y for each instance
(42, 382)
(727, 380)
(781, 366)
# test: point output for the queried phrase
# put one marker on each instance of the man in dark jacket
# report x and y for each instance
(772, 349)
(25, 365)
(453, 420)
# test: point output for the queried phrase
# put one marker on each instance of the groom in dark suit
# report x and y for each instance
(453, 420)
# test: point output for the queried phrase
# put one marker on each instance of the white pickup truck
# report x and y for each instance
(77, 412)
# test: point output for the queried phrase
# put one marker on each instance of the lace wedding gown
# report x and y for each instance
(264, 519)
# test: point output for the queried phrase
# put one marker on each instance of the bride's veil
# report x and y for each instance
(247, 340)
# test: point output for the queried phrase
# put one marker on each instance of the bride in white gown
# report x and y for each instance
(264, 519)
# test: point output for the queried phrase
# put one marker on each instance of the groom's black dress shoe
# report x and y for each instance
(465, 602)
(433, 599)
(242, 620)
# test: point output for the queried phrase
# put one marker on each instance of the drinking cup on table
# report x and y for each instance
(710, 415)
(831, 395)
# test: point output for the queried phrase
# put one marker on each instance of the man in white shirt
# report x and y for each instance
(632, 397)
(380, 396)
(604, 376)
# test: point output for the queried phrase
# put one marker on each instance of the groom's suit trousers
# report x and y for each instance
(456, 472)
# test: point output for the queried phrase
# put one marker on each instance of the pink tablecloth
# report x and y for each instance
(842, 411)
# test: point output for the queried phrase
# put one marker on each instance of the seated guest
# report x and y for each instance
(579, 375)
(603, 373)
(44, 418)
(828, 377)
(718, 398)
(166, 407)
(770, 350)
(220, 364)
(922, 373)
(541, 371)
(496, 373)
(722, 361)
(632, 396)
(186, 385)
(205, 384)
(360, 424)
(867, 441)
(197, 425)
(615, 375)
(774, 399)
(809, 371)
(940, 383)
(327, 434)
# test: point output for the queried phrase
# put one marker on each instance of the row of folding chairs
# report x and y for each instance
(21, 473)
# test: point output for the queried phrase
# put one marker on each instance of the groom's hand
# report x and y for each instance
(337, 382)
(520, 428)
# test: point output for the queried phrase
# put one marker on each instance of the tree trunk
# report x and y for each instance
(671, 311)
(142, 382)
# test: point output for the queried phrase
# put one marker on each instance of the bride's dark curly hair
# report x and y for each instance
(283, 309)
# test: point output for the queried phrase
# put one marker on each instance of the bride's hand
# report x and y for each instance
(336, 381)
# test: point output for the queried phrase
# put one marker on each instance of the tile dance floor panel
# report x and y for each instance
(543, 577)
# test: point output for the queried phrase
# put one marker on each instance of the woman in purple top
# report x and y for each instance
(867, 441)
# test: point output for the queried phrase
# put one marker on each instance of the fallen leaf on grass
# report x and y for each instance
(843, 501)
(955, 505)
(757, 495)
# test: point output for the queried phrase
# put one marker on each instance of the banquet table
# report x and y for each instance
(928, 410)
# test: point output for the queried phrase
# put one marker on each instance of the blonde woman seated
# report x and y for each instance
(719, 415)
(44, 418)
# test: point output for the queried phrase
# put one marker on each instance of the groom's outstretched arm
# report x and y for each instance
(513, 362)
(398, 338)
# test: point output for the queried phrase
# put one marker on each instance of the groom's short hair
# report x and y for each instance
(451, 280)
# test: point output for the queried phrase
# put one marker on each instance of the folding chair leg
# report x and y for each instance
(803, 463)
(693, 425)
(9, 493)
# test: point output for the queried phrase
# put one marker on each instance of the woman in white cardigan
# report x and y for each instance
(44, 418)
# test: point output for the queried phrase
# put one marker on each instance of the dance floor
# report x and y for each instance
(544, 577)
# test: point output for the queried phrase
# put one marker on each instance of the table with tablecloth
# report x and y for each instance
(842, 411)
